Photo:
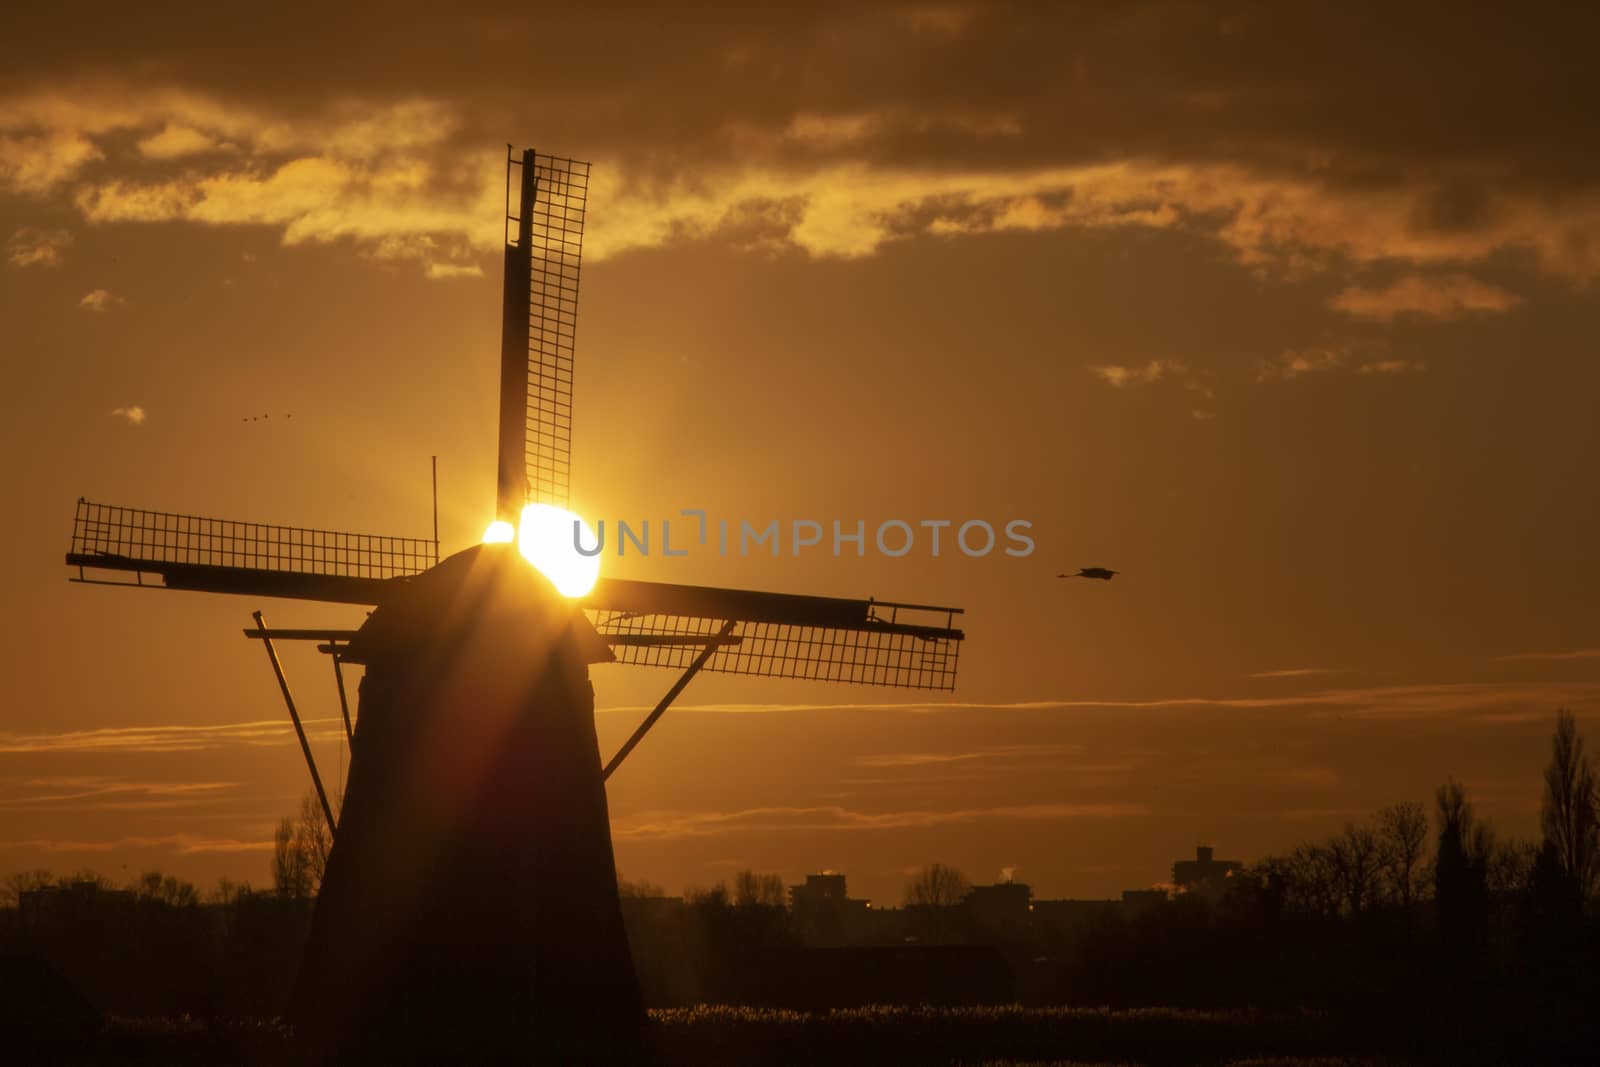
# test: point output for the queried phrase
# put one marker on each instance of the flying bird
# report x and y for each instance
(1092, 572)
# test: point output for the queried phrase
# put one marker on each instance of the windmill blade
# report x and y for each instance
(543, 258)
(230, 556)
(779, 635)
(655, 624)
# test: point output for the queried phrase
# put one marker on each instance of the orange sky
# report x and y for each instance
(1294, 324)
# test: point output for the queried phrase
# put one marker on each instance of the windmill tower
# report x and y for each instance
(472, 869)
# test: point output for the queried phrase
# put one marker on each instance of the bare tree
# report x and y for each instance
(1461, 860)
(300, 851)
(752, 890)
(1568, 817)
(937, 886)
(165, 889)
(1311, 881)
(23, 882)
(1404, 830)
(1356, 856)
(640, 890)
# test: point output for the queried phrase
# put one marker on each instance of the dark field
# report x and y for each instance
(731, 1035)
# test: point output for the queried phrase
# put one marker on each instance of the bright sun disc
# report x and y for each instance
(545, 540)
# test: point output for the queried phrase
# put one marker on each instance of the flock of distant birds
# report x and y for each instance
(258, 418)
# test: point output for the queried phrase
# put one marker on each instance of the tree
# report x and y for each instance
(24, 882)
(937, 886)
(1461, 867)
(300, 851)
(153, 886)
(752, 890)
(640, 890)
(1404, 830)
(1310, 881)
(1356, 857)
(1568, 816)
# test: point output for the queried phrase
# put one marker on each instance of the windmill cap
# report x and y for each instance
(491, 587)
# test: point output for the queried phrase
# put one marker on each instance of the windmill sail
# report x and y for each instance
(543, 258)
(230, 556)
(653, 624)
(647, 623)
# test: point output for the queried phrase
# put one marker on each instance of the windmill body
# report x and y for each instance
(472, 878)
(472, 873)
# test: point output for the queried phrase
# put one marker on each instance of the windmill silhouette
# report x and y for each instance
(472, 874)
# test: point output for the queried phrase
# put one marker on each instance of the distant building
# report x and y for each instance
(823, 914)
(76, 903)
(1135, 901)
(1000, 908)
(1204, 874)
(1070, 918)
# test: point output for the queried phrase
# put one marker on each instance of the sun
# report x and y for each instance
(544, 537)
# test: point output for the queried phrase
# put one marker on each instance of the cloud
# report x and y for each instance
(180, 844)
(994, 752)
(1575, 654)
(835, 182)
(1122, 377)
(871, 125)
(833, 819)
(134, 414)
(102, 793)
(35, 164)
(176, 141)
(166, 738)
(1296, 362)
(100, 301)
(30, 247)
(1465, 699)
(1295, 672)
(1392, 366)
(436, 271)
(1450, 296)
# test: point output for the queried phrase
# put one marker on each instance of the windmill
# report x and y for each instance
(482, 638)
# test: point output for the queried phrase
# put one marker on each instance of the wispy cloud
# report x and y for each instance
(1392, 366)
(180, 844)
(35, 164)
(1448, 296)
(1121, 377)
(993, 752)
(1295, 672)
(436, 271)
(30, 247)
(1420, 699)
(1352, 357)
(1295, 362)
(134, 414)
(1575, 654)
(679, 824)
(100, 301)
(93, 792)
(165, 738)
(175, 141)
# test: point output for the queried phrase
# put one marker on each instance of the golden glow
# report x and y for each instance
(499, 532)
(545, 540)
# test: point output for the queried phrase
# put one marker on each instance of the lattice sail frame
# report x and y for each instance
(104, 532)
(649, 624)
(555, 233)
(892, 655)
(777, 635)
